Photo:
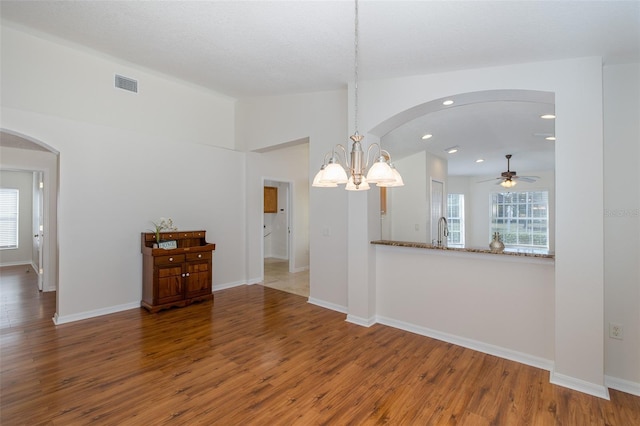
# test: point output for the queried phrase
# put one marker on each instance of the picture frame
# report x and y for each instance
(168, 245)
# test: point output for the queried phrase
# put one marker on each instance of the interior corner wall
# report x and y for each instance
(125, 160)
(321, 118)
(578, 293)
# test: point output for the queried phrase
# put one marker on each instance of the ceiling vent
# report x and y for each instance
(125, 83)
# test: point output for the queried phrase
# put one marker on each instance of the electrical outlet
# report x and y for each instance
(616, 331)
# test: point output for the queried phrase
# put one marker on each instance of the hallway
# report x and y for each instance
(277, 276)
(21, 303)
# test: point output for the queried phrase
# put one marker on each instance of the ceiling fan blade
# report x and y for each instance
(488, 180)
(529, 179)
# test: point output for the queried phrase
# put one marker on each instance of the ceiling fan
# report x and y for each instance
(509, 178)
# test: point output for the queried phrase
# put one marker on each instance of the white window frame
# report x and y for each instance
(452, 219)
(521, 220)
(9, 218)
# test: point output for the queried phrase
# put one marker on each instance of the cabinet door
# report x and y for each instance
(198, 278)
(270, 199)
(169, 281)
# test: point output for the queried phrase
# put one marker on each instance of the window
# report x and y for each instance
(455, 218)
(521, 218)
(8, 218)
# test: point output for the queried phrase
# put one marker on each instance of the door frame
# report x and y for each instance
(289, 207)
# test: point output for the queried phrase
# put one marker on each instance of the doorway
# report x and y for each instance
(278, 254)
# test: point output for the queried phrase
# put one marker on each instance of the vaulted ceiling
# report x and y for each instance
(259, 48)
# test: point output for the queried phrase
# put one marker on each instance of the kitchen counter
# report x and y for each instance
(507, 252)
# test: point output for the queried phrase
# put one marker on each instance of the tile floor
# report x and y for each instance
(276, 275)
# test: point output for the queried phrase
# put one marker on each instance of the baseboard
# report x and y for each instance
(579, 385)
(15, 264)
(622, 385)
(302, 269)
(58, 320)
(224, 286)
(521, 357)
(364, 322)
(327, 305)
(252, 281)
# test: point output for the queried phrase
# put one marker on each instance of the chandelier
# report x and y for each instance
(339, 168)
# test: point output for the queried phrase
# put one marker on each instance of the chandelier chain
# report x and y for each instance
(356, 36)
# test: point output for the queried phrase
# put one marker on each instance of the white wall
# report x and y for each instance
(23, 182)
(495, 303)
(409, 212)
(125, 160)
(319, 118)
(409, 204)
(47, 162)
(577, 84)
(622, 222)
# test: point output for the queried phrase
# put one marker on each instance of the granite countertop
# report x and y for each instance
(517, 252)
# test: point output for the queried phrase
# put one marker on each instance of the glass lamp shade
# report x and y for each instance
(317, 180)
(508, 183)
(352, 187)
(334, 173)
(380, 171)
(396, 182)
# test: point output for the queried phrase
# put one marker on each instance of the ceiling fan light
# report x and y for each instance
(508, 183)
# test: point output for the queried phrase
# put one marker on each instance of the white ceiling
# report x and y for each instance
(258, 48)
(254, 48)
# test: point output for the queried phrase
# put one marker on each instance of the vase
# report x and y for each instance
(496, 245)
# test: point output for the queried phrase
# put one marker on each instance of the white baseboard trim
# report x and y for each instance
(579, 385)
(327, 305)
(252, 281)
(58, 320)
(224, 286)
(622, 385)
(365, 322)
(302, 269)
(486, 348)
(15, 264)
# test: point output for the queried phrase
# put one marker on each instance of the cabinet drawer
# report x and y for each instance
(206, 255)
(167, 260)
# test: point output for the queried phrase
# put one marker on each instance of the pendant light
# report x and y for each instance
(351, 169)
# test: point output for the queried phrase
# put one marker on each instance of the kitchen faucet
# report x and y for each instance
(443, 231)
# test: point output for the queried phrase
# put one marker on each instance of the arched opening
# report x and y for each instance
(24, 154)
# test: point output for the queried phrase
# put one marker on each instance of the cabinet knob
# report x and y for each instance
(199, 256)
(171, 259)
(182, 275)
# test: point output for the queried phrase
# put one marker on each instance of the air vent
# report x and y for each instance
(125, 83)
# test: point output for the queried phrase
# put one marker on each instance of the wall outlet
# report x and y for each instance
(616, 331)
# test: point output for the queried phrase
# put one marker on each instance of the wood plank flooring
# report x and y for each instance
(259, 356)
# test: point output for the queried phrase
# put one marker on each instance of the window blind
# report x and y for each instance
(8, 218)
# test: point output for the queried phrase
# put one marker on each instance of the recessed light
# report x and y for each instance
(550, 138)
(479, 160)
(448, 102)
(427, 136)
(452, 150)
(548, 116)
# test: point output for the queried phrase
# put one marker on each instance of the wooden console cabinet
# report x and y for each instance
(178, 276)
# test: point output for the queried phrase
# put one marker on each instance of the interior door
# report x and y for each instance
(437, 206)
(38, 226)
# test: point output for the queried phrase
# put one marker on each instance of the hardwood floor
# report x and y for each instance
(259, 356)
